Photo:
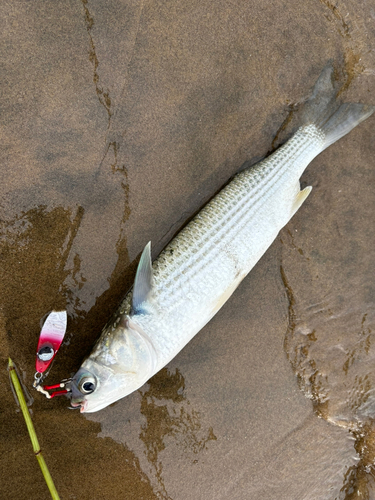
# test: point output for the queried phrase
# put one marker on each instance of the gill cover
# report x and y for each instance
(114, 370)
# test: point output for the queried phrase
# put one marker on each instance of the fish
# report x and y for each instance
(174, 297)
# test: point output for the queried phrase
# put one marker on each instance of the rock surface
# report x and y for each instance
(119, 120)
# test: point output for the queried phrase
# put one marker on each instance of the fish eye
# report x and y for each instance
(87, 384)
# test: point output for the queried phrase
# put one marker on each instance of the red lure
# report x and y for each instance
(50, 339)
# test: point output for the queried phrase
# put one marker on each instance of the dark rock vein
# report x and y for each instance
(103, 94)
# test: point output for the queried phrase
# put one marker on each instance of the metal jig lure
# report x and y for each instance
(50, 340)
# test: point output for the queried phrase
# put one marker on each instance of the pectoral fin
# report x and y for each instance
(300, 198)
(143, 281)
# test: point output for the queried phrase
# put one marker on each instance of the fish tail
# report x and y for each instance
(325, 111)
(348, 116)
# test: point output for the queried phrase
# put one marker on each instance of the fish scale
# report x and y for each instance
(231, 210)
(173, 298)
(205, 262)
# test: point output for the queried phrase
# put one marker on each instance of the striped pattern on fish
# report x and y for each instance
(197, 272)
(219, 247)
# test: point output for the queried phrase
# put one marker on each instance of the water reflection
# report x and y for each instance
(158, 422)
(329, 340)
(359, 480)
(34, 248)
(168, 414)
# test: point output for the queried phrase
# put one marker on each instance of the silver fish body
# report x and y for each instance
(203, 265)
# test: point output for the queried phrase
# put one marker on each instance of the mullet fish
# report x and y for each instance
(173, 298)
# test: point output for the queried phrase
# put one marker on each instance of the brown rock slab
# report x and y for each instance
(119, 120)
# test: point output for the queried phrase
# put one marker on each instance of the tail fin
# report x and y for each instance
(347, 117)
(325, 111)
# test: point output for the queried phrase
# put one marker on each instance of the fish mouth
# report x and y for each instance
(82, 404)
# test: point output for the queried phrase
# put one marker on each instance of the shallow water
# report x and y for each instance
(119, 121)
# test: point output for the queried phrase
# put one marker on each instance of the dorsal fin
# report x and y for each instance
(143, 280)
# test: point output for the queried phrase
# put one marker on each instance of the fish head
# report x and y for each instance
(120, 363)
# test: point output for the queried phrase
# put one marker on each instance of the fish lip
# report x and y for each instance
(78, 404)
(83, 404)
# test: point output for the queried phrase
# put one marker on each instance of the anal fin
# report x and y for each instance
(300, 198)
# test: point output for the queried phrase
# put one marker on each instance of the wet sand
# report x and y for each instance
(119, 121)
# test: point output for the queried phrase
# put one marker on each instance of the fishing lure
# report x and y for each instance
(50, 340)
